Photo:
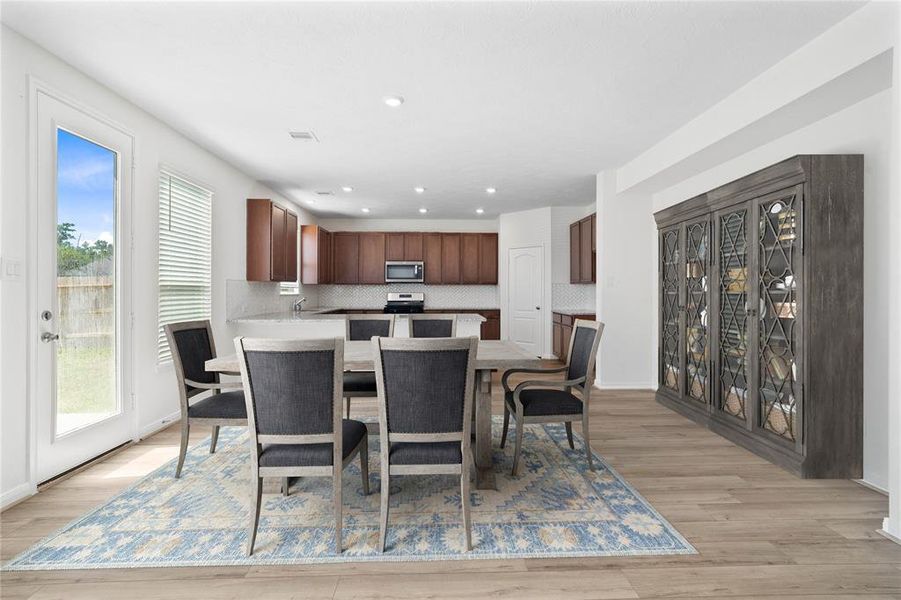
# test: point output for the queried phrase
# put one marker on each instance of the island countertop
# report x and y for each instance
(332, 314)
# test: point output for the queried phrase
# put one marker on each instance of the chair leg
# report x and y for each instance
(516, 453)
(383, 514)
(286, 486)
(364, 464)
(586, 439)
(214, 438)
(464, 500)
(339, 524)
(256, 500)
(348, 407)
(183, 449)
(569, 434)
(506, 425)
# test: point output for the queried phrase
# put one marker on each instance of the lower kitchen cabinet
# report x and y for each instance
(562, 330)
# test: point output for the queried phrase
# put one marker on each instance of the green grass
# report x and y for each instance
(86, 380)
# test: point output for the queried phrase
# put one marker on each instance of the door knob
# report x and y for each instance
(48, 337)
(537, 308)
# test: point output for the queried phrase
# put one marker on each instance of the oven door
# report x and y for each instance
(403, 272)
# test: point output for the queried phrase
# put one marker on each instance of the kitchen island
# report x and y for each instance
(328, 322)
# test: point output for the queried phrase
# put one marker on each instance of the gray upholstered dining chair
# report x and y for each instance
(539, 401)
(361, 384)
(191, 344)
(293, 391)
(433, 326)
(425, 398)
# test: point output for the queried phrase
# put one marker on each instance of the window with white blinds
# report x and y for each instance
(185, 254)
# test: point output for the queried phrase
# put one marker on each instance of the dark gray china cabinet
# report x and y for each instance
(761, 313)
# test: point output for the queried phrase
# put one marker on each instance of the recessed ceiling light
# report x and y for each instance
(365, 210)
(480, 211)
(393, 101)
(419, 189)
(490, 190)
(423, 210)
(347, 188)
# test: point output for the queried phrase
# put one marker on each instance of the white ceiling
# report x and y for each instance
(530, 98)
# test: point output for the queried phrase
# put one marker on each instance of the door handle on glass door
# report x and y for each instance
(537, 308)
(48, 337)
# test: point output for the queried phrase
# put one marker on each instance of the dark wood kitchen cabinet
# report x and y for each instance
(469, 257)
(582, 250)
(346, 257)
(394, 246)
(372, 257)
(761, 313)
(562, 330)
(450, 258)
(431, 257)
(413, 246)
(488, 259)
(271, 242)
(315, 255)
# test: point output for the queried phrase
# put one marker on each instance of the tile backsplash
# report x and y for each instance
(436, 296)
(568, 295)
(244, 298)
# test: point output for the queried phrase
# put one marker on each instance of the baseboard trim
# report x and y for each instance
(885, 533)
(19, 493)
(158, 425)
(871, 486)
(638, 385)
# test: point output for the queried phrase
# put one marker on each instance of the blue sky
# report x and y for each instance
(86, 179)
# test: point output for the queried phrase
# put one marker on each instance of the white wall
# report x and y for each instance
(155, 143)
(521, 230)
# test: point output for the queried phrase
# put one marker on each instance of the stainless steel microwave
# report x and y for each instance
(404, 271)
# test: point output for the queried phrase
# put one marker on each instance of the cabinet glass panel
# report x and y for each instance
(733, 322)
(696, 310)
(778, 247)
(671, 260)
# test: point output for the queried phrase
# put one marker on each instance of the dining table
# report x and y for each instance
(493, 355)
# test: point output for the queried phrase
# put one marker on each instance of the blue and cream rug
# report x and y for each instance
(555, 508)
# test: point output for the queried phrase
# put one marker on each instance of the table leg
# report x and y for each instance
(483, 454)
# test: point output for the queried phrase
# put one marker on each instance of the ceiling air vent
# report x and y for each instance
(308, 136)
(325, 193)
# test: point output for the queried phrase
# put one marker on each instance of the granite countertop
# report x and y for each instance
(574, 311)
(327, 314)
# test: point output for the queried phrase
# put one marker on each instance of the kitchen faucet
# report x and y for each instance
(298, 304)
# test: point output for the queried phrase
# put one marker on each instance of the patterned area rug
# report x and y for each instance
(555, 508)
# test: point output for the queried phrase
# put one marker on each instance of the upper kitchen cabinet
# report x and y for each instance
(394, 246)
(271, 242)
(413, 249)
(346, 257)
(372, 257)
(582, 250)
(315, 255)
(469, 257)
(450, 258)
(431, 257)
(488, 258)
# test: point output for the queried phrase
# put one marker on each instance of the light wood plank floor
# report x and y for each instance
(761, 532)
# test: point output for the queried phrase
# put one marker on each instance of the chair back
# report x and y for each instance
(365, 327)
(425, 387)
(191, 344)
(433, 326)
(583, 350)
(292, 389)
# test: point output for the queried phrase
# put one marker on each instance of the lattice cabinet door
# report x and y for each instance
(734, 298)
(778, 409)
(697, 312)
(671, 256)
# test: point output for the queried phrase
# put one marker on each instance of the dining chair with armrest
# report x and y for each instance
(548, 401)
(191, 344)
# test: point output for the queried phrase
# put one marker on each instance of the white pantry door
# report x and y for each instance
(82, 311)
(525, 285)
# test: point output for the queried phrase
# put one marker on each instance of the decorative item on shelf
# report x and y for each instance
(735, 401)
(697, 388)
(671, 376)
(781, 419)
(779, 365)
(736, 278)
(784, 310)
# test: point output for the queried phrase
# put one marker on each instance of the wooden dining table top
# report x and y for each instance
(492, 354)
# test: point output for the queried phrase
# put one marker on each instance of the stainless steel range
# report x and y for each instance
(405, 302)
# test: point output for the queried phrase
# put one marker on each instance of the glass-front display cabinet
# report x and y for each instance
(761, 312)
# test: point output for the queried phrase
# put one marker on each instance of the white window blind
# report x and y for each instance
(185, 254)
